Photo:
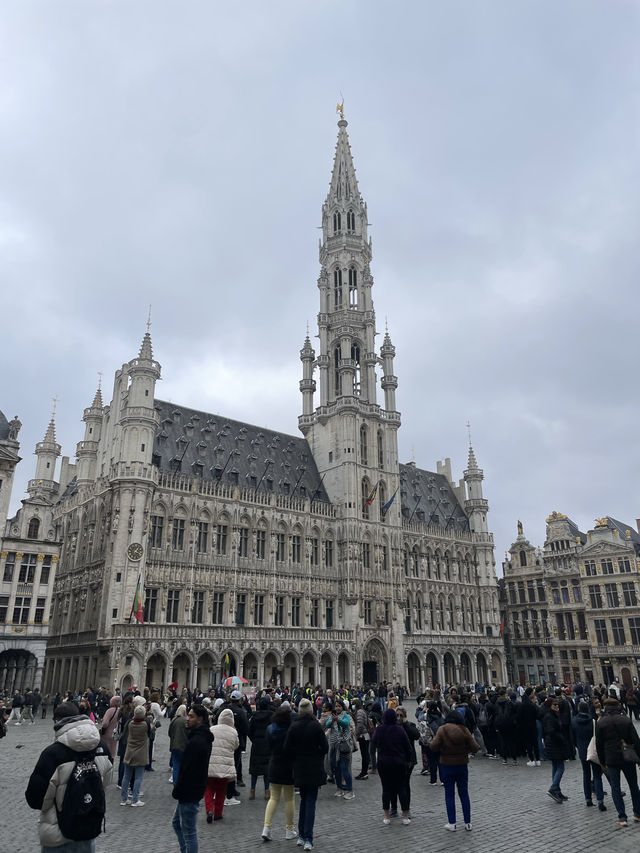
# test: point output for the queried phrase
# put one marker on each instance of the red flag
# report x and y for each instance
(136, 608)
(502, 627)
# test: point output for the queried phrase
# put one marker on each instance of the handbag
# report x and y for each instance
(344, 747)
(629, 754)
(592, 752)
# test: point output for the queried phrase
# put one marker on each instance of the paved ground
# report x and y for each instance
(508, 803)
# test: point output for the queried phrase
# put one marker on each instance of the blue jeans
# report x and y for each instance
(630, 775)
(452, 775)
(543, 754)
(343, 772)
(185, 826)
(588, 767)
(138, 775)
(254, 781)
(73, 847)
(176, 758)
(557, 771)
(307, 813)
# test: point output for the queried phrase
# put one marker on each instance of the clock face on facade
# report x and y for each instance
(134, 551)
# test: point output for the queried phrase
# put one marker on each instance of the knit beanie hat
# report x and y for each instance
(305, 708)
(139, 712)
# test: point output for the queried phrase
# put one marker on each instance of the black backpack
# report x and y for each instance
(83, 806)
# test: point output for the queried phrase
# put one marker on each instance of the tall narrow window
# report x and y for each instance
(279, 614)
(328, 553)
(258, 610)
(351, 221)
(295, 548)
(177, 539)
(328, 614)
(173, 605)
(34, 528)
(261, 543)
(218, 608)
(197, 610)
(337, 222)
(202, 540)
(337, 288)
(221, 538)
(157, 526)
(355, 357)
(337, 381)
(366, 497)
(280, 547)
(241, 607)
(364, 451)
(382, 499)
(380, 449)
(243, 542)
(295, 611)
(353, 287)
(150, 604)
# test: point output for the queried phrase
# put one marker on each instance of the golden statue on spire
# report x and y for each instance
(340, 109)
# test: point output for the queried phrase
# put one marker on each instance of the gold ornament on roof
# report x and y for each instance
(555, 515)
(601, 522)
(628, 533)
(340, 109)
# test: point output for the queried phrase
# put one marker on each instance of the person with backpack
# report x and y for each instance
(67, 784)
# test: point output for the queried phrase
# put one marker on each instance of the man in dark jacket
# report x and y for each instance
(612, 729)
(192, 779)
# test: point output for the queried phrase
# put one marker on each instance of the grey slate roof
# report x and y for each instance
(432, 498)
(575, 531)
(213, 447)
(614, 524)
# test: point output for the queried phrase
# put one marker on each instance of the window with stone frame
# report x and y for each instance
(590, 568)
(34, 528)
(258, 609)
(582, 626)
(387, 613)
(27, 571)
(328, 553)
(315, 551)
(295, 611)
(328, 614)
(565, 594)
(279, 610)
(368, 611)
(21, 607)
(380, 443)
(314, 615)
(9, 567)
(281, 552)
(542, 595)
(261, 543)
(241, 608)
(222, 532)
(555, 595)
(45, 570)
(197, 609)
(513, 597)
(606, 566)
(38, 616)
(385, 558)
(177, 534)
(624, 565)
(217, 616)
(243, 542)
(629, 594)
(611, 592)
(173, 606)
(4, 606)
(634, 630)
(156, 532)
(577, 592)
(366, 555)
(617, 630)
(595, 596)
(602, 635)
(296, 548)
(202, 538)
(150, 604)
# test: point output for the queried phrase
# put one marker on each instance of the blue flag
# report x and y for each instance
(386, 506)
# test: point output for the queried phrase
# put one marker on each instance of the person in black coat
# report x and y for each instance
(528, 726)
(280, 773)
(306, 745)
(192, 777)
(583, 726)
(612, 729)
(557, 744)
(259, 758)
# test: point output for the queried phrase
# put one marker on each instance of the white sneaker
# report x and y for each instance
(538, 763)
(308, 845)
(300, 842)
(468, 827)
(531, 764)
(349, 796)
(232, 801)
(406, 821)
(266, 833)
(137, 805)
(290, 834)
(450, 826)
(339, 794)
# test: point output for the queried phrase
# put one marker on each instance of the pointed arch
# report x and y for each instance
(353, 286)
(366, 493)
(364, 445)
(351, 221)
(380, 448)
(34, 528)
(337, 288)
(337, 222)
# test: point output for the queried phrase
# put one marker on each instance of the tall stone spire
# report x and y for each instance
(87, 449)
(47, 452)
(146, 352)
(476, 505)
(344, 184)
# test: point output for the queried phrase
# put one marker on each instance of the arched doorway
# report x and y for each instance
(431, 667)
(206, 675)
(449, 669)
(17, 670)
(126, 683)
(625, 676)
(290, 669)
(309, 668)
(496, 669)
(413, 672)
(271, 668)
(344, 668)
(481, 663)
(156, 670)
(374, 662)
(228, 665)
(250, 667)
(465, 668)
(181, 672)
(326, 670)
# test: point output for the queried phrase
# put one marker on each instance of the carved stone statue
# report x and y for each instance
(14, 428)
(519, 528)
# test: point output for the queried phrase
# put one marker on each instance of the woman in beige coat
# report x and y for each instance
(136, 756)
(222, 766)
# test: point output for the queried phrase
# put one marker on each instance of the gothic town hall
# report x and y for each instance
(277, 557)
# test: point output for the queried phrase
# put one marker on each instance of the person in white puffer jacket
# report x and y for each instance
(222, 766)
(74, 733)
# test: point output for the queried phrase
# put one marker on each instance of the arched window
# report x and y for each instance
(464, 616)
(382, 499)
(380, 449)
(405, 561)
(34, 528)
(447, 567)
(415, 559)
(366, 494)
(337, 222)
(337, 288)
(351, 220)
(432, 616)
(523, 558)
(363, 445)
(472, 620)
(451, 616)
(419, 614)
(355, 357)
(441, 615)
(336, 371)
(353, 287)
(428, 564)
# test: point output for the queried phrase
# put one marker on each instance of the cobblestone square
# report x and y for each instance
(507, 803)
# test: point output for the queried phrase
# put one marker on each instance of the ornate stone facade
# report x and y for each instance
(317, 559)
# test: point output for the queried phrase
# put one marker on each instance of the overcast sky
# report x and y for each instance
(179, 153)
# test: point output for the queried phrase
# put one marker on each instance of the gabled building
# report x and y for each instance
(318, 558)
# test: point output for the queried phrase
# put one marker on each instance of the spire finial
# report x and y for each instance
(149, 318)
(55, 403)
(99, 380)
(469, 431)
(340, 107)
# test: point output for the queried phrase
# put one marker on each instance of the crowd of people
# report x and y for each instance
(304, 738)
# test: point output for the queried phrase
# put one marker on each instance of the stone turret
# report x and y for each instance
(87, 449)
(47, 451)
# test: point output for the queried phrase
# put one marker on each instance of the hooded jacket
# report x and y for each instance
(611, 729)
(225, 743)
(306, 745)
(192, 777)
(48, 782)
(454, 743)
(259, 758)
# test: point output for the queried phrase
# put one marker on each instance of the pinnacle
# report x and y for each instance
(145, 349)
(97, 400)
(50, 434)
(472, 463)
(344, 185)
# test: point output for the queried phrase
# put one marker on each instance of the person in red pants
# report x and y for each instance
(222, 768)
